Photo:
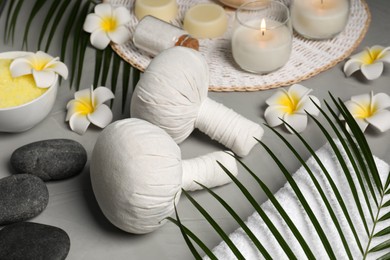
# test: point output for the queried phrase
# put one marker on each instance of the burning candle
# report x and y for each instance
(319, 19)
(261, 44)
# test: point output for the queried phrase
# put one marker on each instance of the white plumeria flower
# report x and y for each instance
(370, 109)
(88, 107)
(44, 68)
(370, 62)
(291, 106)
(108, 24)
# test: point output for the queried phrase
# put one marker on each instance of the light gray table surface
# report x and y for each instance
(72, 205)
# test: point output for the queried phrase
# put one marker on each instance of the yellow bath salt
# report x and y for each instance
(16, 91)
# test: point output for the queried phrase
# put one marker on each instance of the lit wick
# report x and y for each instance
(262, 27)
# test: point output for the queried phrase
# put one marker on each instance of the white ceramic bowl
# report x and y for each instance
(25, 116)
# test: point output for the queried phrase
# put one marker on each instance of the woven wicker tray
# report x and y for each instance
(308, 57)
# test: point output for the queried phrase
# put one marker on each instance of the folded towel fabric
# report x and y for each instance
(294, 209)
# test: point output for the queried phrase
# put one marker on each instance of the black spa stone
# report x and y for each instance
(22, 197)
(53, 159)
(28, 240)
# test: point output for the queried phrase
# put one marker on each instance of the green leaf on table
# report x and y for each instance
(127, 71)
(183, 232)
(385, 257)
(196, 239)
(275, 232)
(215, 226)
(34, 11)
(381, 246)
(98, 67)
(360, 138)
(55, 24)
(385, 217)
(8, 19)
(383, 232)
(49, 15)
(237, 218)
(106, 66)
(12, 24)
(353, 150)
(281, 210)
(68, 28)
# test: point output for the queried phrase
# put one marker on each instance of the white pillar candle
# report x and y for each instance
(165, 10)
(319, 19)
(261, 50)
(205, 21)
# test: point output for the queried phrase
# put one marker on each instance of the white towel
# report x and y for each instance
(294, 209)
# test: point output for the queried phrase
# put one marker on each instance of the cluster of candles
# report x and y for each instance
(262, 32)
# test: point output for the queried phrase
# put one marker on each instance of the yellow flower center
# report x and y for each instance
(371, 56)
(84, 106)
(289, 103)
(109, 24)
(40, 64)
(365, 111)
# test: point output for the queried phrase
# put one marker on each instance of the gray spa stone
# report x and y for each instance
(52, 159)
(28, 240)
(22, 196)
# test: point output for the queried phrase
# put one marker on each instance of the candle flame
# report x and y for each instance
(263, 26)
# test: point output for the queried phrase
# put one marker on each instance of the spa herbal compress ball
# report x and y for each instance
(137, 172)
(172, 94)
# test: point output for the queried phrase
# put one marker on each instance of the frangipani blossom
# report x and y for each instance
(370, 62)
(43, 67)
(107, 24)
(88, 107)
(370, 109)
(290, 105)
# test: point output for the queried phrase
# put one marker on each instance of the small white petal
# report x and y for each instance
(20, 67)
(298, 91)
(362, 99)
(120, 35)
(351, 66)
(103, 10)
(44, 79)
(84, 94)
(59, 68)
(101, 117)
(79, 123)
(122, 15)
(273, 115)
(361, 56)
(372, 71)
(43, 55)
(92, 23)
(99, 39)
(385, 55)
(274, 99)
(306, 104)
(72, 108)
(297, 121)
(381, 120)
(101, 95)
(381, 101)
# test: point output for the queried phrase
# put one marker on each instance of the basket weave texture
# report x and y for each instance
(308, 57)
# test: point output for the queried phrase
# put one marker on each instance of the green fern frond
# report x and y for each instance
(353, 149)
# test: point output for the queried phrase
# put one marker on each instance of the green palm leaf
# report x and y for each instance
(282, 242)
(34, 11)
(281, 211)
(355, 151)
